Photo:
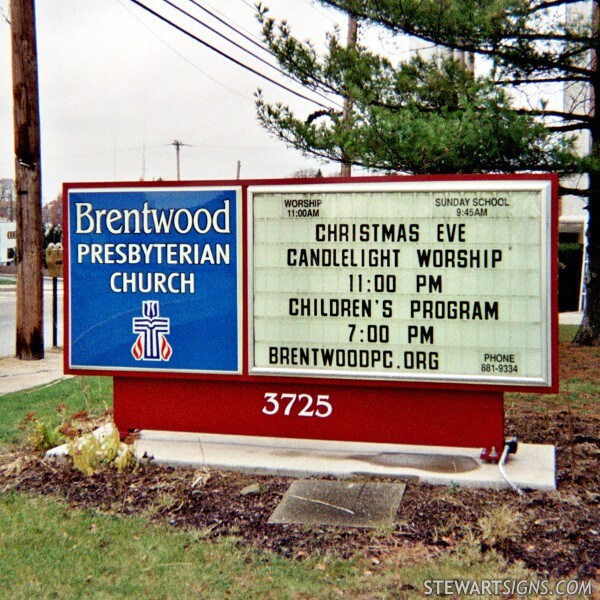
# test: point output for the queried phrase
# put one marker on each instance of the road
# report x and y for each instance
(8, 315)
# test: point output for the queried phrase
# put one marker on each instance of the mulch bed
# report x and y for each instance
(557, 533)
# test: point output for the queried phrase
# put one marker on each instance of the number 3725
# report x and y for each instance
(300, 405)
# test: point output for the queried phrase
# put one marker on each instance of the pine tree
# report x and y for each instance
(426, 117)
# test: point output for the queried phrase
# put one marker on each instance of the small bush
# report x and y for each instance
(91, 452)
(41, 435)
(44, 436)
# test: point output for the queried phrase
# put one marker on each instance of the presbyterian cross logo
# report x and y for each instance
(151, 343)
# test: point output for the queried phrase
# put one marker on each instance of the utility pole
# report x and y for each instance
(178, 144)
(346, 169)
(26, 113)
(239, 169)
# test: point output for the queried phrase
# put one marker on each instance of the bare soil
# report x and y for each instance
(553, 533)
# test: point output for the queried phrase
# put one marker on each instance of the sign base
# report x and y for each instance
(457, 418)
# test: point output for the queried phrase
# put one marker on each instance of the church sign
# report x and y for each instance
(155, 279)
(315, 308)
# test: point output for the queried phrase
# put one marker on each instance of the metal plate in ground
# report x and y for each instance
(344, 503)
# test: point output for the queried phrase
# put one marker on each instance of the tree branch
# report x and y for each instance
(565, 128)
(567, 191)
(482, 44)
(542, 80)
(555, 113)
(553, 4)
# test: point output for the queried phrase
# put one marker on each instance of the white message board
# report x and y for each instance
(433, 281)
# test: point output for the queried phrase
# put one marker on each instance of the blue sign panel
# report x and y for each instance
(155, 279)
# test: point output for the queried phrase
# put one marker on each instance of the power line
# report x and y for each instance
(324, 85)
(227, 56)
(222, 35)
(4, 15)
(179, 53)
(248, 32)
(236, 44)
(322, 12)
(230, 26)
(249, 5)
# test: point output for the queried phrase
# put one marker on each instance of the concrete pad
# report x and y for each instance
(17, 375)
(533, 467)
(437, 463)
(347, 504)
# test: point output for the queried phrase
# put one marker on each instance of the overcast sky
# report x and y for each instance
(114, 79)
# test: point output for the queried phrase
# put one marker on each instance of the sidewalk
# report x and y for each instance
(16, 375)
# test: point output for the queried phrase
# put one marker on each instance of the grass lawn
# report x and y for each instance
(52, 549)
(566, 333)
(92, 394)
(49, 550)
